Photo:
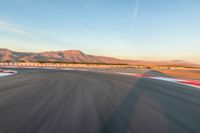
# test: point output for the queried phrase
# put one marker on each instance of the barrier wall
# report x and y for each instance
(61, 65)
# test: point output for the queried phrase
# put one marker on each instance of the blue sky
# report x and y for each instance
(132, 29)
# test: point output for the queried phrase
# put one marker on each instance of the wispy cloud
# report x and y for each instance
(135, 11)
(8, 27)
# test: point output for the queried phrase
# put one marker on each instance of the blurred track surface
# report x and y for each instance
(56, 101)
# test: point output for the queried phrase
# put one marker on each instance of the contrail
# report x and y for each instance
(135, 12)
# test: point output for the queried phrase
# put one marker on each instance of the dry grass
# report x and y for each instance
(185, 74)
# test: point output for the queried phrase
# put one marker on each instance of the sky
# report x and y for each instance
(127, 29)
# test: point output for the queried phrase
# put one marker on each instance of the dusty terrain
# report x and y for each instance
(77, 56)
(184, 74)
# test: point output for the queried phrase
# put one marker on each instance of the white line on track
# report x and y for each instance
(174, 80)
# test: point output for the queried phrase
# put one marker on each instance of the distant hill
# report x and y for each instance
(55, 56)
(77, 56)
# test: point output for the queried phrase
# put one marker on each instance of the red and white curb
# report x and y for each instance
(6, 72)
(193, 83)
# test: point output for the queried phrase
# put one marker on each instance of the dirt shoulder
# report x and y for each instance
(183, 74)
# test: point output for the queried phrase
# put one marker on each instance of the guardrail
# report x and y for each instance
(77, 65)
(62, 65)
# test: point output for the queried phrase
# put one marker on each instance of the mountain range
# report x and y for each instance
(77, 56)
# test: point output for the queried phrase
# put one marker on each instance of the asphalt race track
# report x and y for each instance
(55, 101)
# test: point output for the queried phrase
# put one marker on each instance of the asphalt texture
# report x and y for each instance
(55, 101)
